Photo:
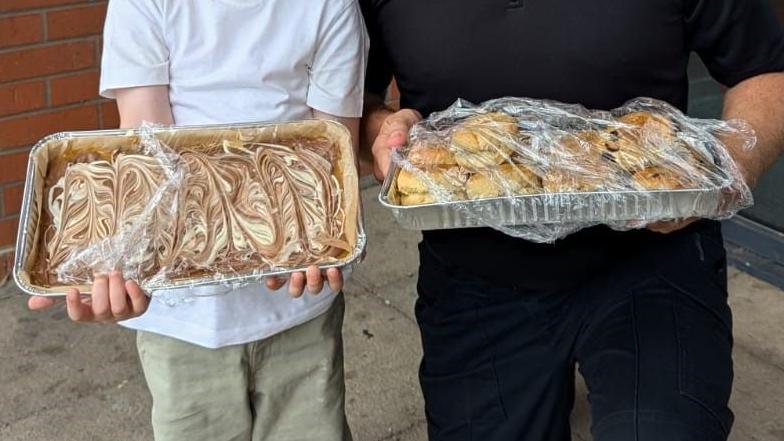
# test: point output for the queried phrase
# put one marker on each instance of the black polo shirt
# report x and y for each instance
(599, 53)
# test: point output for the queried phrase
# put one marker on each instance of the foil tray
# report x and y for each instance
(27, 236)
(554, 208)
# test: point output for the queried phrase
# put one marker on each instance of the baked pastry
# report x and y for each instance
(565, 181)
(486, 132)
(504, 180)
(578, 164)
(659, 178)
(431, 155)
(413, 188)
(480, 160)
(649, 125)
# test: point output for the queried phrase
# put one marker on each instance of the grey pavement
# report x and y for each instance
(62, 381)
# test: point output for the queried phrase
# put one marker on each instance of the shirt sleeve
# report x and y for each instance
(379, 70)
(134, 48)
(736, 39)
(337, 73)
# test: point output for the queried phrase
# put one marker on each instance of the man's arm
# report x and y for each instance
(760, 102)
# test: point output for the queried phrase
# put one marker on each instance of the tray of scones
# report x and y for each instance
(178, 207)
(524, 162)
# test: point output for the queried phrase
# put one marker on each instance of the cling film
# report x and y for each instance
(541, 170)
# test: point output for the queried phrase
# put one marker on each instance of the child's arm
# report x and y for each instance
(313, 279)
(112, 297)
(144, 104)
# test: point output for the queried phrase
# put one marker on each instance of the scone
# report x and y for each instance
(565, 181)
(491, 132)
(480, 160)
(659, 178)
(503, 180)
(414, 190)
(431, 155)
(650, 125)
(578, 164)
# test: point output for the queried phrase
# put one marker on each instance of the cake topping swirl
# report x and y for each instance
(241, 206)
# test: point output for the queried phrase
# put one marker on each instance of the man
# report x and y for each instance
(644, 313)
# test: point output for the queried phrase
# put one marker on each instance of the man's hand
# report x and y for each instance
(667, 227)
(312, 279)
(112, 299)
(393, 134)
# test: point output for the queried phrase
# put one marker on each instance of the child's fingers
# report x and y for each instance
(296, 284)
(118, 299)
(314, 279)
(77, 311)
(274, 283)
(139, 300)
(335, 279)
(37, 303)
(100, 298)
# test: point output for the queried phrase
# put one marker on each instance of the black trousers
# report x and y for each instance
(652, 337)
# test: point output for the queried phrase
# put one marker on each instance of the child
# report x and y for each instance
(247, 365)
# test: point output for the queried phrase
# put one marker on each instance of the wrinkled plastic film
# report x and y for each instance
(559, 168)
(129, 209)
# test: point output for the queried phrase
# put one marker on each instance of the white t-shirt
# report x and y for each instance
(237, 61)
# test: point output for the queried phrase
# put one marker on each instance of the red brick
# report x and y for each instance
(13, 167)
(74, 88)
(18, 5)
(75, 22)
(8, 232)
(20, 29)
(111, 118)
(22, 97)
(26, 130)
(12, 199)
(46, 60)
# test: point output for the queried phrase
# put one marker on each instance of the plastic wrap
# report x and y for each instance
(116, 213)
(189, 207)
(541, 170)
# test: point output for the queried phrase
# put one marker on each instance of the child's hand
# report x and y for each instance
(112, 299)
(313, 279)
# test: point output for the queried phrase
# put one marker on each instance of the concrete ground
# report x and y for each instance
(62, 381)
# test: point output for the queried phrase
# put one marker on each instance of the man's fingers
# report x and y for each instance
(335, 279)
(381, 162)
(667, 227)
(296, 284)
(77, 310)
(118, 299)
(394, 132)
(37, 303)
(315, 282)
(139, 300)
(100, 298)
(274, 283)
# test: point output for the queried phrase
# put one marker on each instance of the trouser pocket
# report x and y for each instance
(460, 407)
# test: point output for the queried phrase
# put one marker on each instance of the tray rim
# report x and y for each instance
(21, 251)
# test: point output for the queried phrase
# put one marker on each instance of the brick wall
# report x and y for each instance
(49, 59)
